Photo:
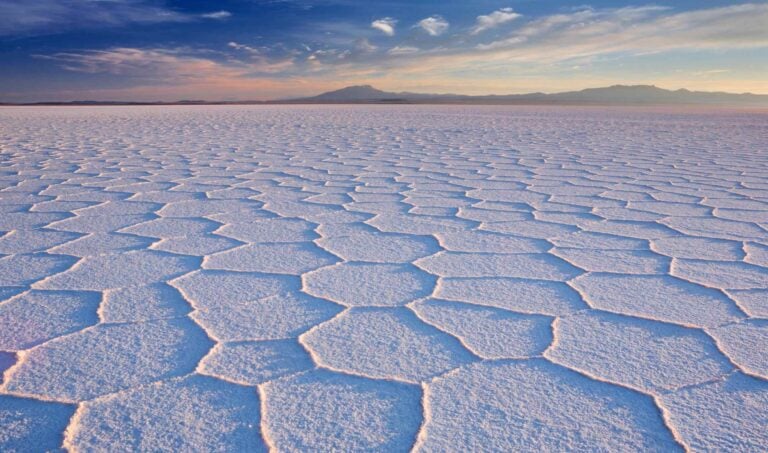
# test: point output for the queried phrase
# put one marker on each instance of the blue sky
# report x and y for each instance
(267, 49)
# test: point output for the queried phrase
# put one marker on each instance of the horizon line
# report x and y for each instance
(308, 99)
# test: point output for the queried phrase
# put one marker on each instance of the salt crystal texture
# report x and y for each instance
(388, 278)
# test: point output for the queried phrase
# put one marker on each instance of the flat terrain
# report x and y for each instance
(386, 278)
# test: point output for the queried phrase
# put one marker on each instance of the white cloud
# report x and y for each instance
(243, 47)
(494, 19)
(219, 15)
(402, 50)
(328, 55)
(434, 26)
(385, 25)
(710, 72)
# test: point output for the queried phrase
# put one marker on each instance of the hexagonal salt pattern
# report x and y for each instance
(383, 279)
(385, 343)
(198, 413)
(320, 410)
(535, 404)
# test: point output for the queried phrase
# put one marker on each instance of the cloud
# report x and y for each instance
(434, 26)
(493, 20)
(243, 47)
(36, 17)
(169, 74)
(385, 25)
(364, 46)
(219, 15)
(168, 66)
(322, 56)
(402, 50)
(153, 63)
(710, 72)
(635, 29)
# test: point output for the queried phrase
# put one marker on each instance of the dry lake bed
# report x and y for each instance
(383, 278)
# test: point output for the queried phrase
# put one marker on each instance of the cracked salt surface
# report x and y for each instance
(386, 278)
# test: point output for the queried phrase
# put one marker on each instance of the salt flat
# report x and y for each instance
(386, 278)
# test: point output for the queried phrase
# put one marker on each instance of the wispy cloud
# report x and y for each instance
(434, 25)
(710, 72)
(493, 20)
(403, 50)
(385, 25)
(364, 46)
(579, 25)
(154, 63)
(635, 29)
(51, 16)
(169, 65)
(243, 47)
(219, 15)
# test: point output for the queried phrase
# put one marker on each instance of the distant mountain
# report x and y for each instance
(614, 95)
(649, 94)
(353, 93)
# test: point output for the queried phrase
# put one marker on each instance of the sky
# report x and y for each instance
(167, 50)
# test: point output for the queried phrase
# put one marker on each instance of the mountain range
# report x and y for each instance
(613, 95)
